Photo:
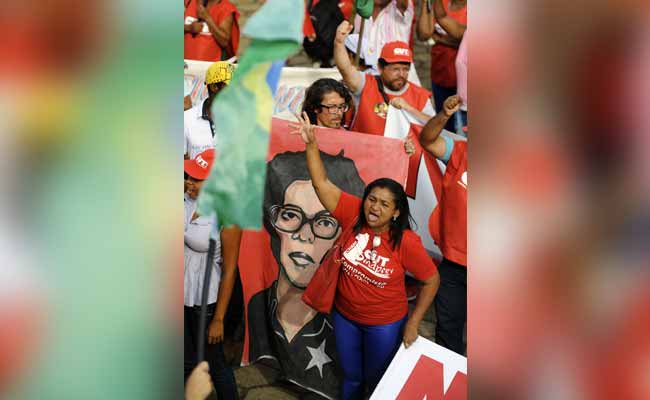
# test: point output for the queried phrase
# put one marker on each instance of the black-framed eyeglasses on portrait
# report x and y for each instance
(290, 218)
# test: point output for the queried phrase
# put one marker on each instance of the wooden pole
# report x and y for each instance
(356, 56)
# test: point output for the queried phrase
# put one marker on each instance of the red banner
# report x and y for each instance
(277, 263)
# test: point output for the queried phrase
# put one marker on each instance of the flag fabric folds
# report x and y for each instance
(242, 116)
(364, 8)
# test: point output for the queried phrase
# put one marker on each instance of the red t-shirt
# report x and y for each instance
(204, 46)
(371, 114)
(448, 221)
(371, 287)
(443, 57)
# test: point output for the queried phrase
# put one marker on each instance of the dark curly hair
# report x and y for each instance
(314, 95)
(402, 222)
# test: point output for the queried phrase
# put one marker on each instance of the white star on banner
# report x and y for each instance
(318, 358)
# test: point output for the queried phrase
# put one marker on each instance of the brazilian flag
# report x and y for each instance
(242, 116)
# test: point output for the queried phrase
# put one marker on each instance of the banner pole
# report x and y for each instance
(356, 56)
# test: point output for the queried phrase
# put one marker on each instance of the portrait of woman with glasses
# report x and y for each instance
(281, 326)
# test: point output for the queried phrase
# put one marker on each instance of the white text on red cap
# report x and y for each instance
(202, 163)
(398, 51)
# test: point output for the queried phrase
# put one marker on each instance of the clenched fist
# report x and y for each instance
(342, 32)
(451, 105)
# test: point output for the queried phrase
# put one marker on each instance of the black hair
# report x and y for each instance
(286, 168)
(403, 220)
(314, 95)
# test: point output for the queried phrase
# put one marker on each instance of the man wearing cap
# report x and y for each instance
(222, 279)
(198, 124)
(372, 94)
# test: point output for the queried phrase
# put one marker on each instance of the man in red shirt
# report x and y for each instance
(448, 227)
(372, 94)
(211, 30)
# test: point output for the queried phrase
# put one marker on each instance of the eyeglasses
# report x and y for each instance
(290, 218)
(336, 108)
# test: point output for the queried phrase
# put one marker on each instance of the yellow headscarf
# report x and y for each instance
(221, 71)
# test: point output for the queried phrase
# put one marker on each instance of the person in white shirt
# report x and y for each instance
(391, 20)
(197, 241)
(198, 124)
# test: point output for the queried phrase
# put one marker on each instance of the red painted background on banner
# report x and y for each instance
(375, 157)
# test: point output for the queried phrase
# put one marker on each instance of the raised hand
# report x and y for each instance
(451, 105)
(343, 31)
(304, 128)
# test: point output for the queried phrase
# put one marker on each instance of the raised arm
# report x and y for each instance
(454, 28)
(424, 28)
(351, 76)
(327, 192)
(430, 136)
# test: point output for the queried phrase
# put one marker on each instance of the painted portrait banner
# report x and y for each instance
(277, 263)
(424, 371)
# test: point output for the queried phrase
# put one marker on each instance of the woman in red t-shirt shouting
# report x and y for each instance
(370, 306)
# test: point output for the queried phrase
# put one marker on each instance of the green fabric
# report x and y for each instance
(242, 117)
(364, 8)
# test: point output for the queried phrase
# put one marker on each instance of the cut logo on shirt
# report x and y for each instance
(358, 256)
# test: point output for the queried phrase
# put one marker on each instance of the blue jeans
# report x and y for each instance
(440, 94)
(365, 351)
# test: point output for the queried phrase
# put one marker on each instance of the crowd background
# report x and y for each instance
(91, 217)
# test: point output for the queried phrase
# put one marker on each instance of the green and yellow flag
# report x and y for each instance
(242, 116)
(364, 8)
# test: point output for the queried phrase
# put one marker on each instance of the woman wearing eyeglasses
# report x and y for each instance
(326, 103)
(281, 325)
(370, 312)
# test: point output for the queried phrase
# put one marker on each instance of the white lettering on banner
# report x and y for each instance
(202, 163)
(358, 256)
(401, 52)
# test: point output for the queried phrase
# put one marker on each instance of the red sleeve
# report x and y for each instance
(307, 26)
(346, 6)
(415, 258)
(347, 209)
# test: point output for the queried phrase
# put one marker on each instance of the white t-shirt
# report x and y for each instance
(198, 135)
(197, 240)
(390, 25)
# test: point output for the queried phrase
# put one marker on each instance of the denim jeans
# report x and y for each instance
(220, 373)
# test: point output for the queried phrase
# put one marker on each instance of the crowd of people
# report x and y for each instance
(370, 220)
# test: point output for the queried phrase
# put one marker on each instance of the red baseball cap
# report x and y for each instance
(394, 52)
(200, 166)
